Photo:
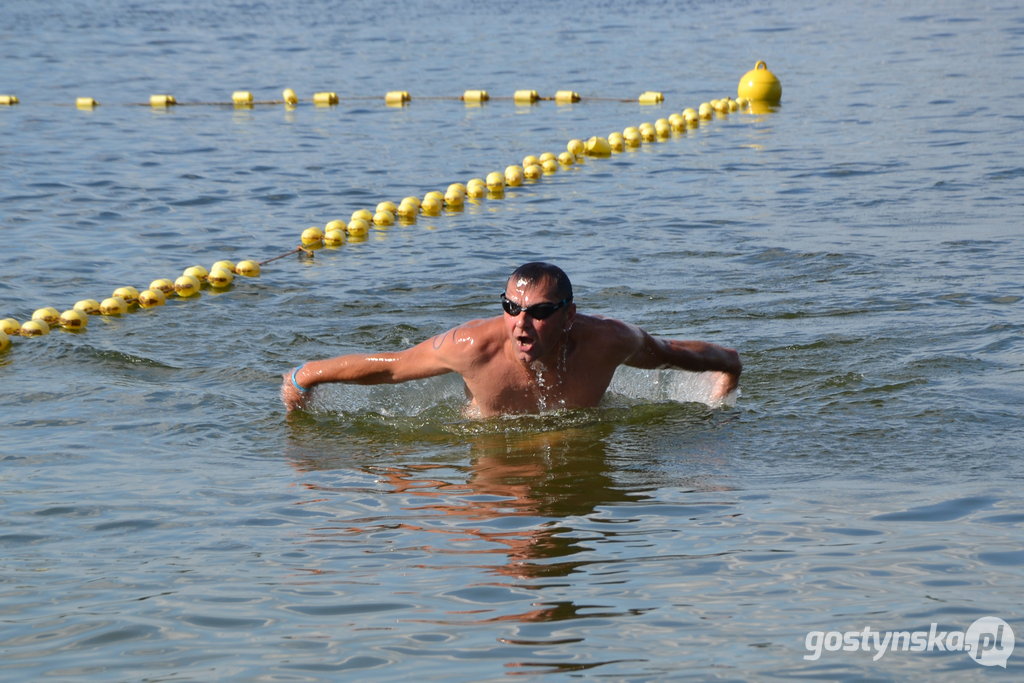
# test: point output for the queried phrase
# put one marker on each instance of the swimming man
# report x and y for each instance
(539, 355)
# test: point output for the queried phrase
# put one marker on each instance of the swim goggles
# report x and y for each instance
(536, 311)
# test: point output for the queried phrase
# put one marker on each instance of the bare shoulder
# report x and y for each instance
(465, 343)
(608, 336)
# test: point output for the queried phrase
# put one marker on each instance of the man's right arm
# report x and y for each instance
(435, 356)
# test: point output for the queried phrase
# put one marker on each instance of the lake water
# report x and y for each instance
(162, 519)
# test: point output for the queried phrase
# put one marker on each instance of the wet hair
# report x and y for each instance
(538, 271)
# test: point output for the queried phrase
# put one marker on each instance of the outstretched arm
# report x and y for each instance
(695, 356)
(427, 359)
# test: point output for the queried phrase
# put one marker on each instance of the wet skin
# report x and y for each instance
(519, 364)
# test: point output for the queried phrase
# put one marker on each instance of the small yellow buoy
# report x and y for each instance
(691, 117)
(162, 101)
(162, 284)
(550, 166)
(616, 141)
(530, 160)
(525, 96)
(49, 315)
(431, 206)
(495, 181)
(454, 199)
(363, 214)
(386, 206)
(435, 194)
(115, 305)
(312, 235)
(8, 100)
(247, 269)
(705, 110)
(86, 103)
(220, 278)
(334, 237)
(383, 218)
(407, 210)
(760, 85)
(576, 147)
(475, 96)
(358, 227)
(73, 320)
(651, 97)
(566, 97)
(5, 341)
(150, 298)
(533, 172)
(514, 175)
(411, 200)
(198, 272)
(34, 328)
(567, 158)
(226, 265)
(129, 294)
(241, 98)
(11, 326)
(87, 306)
(598, 147)
(662, 129)
(184, 286)
(325, 99)
(396, 98)
(289, 96)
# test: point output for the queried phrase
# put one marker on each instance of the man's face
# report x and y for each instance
(534, 339)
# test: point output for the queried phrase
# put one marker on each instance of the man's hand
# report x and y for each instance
(724, 384)
(290, 396)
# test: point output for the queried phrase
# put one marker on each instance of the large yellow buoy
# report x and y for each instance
(759, 84)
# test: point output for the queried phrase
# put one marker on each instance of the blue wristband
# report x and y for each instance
(296, 384)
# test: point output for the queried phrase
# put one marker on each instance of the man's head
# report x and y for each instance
(538, 310)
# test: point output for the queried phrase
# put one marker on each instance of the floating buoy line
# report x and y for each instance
(758, 91)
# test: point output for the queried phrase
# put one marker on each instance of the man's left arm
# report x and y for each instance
(695, 356)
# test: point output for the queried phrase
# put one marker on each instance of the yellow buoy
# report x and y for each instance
(616, 141)
(49, 315)
(73, 320)
(705, 110)
(495, 181)
(431, 206)
(530, 160)
(5, 341)
(475, 96)
(525, 96)
(567, 158)
(576, 147)
(334, 237)
(198, 272)
(566, 97)
(691, 117)
(11, 326)
(161, 101)
(651, 97)
(311, 236)
(226, 265)
(435, 194)
(760, 85)
(150, 298)
(396, 98)
(514, 175)
(220, 278)
(115, 305)
(358, 227)
(384, 218)
(247, 269)
(129, 294)
(362, 214)
(325, 99)
(184, 286)
(411, 200)
(677, 122)
(550, 166)
(86, 103)
(87, 306)
(34, 328)
(7, 100)
(289, 96)
(386, 206)
(454, 199)
(662, 129)
(162, 284)
(533, 172)
(598, 147)
(241, 98)
(407, 210)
